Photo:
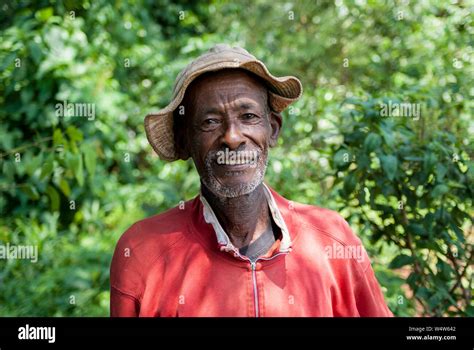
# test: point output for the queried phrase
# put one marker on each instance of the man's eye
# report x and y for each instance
(249, 116)
(210, 121)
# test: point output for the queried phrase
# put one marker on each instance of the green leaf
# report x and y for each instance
(34, 164)
(389, 166)
(372, 142)
(401, 260)
(413, 158)
(350, 183)
(31, 192)
(387, 133)
(363, 161)
(26, 95)
(8, 60)
(44, 14)
(90, 157)
(458, 232)
(79, 170)
(9, 170)
(413, 278)
(74, 133)
(74, 163)
(342, 159)
(58, 139)
(429, 161)
(454, 184)
(35, 51)
(439, 190)
(47, 168)
(441, 171)
(53, 197)
(64, 186)
(416, 229)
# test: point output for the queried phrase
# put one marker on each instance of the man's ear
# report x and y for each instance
(275, 126)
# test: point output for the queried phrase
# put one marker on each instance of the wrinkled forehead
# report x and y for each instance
(225, 84)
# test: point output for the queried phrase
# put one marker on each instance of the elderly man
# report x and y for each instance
(238, 248)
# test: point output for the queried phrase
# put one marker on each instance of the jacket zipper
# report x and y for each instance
(253, 265)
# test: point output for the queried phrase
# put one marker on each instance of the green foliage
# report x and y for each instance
(414, 191)
(72, 185)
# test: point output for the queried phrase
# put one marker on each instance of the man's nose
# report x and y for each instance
(232, 136)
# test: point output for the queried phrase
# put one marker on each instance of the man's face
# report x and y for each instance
(230, 130)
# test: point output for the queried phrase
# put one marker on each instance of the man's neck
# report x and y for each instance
(243, 218)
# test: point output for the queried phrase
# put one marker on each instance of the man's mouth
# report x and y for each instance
(231, 158)
(234, 167)
(236, 162)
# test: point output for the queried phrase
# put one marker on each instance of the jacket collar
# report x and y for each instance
(223, 239)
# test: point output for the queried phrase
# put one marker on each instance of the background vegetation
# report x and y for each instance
(73, 185)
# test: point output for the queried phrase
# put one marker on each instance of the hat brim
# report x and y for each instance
(159, 126)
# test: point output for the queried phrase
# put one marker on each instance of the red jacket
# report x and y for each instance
(171, 265)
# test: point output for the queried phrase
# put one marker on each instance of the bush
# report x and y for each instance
(413, 189)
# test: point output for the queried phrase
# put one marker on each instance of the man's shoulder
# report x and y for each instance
(143, 244)
(326, 222)
(316, 220)
(157, 232)
(328, 231)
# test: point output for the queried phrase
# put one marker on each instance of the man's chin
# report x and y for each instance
(233, 181)
(231, 187)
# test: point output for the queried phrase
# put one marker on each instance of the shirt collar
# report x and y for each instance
(223, 239)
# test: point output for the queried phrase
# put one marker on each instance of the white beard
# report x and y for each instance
(213, 185)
